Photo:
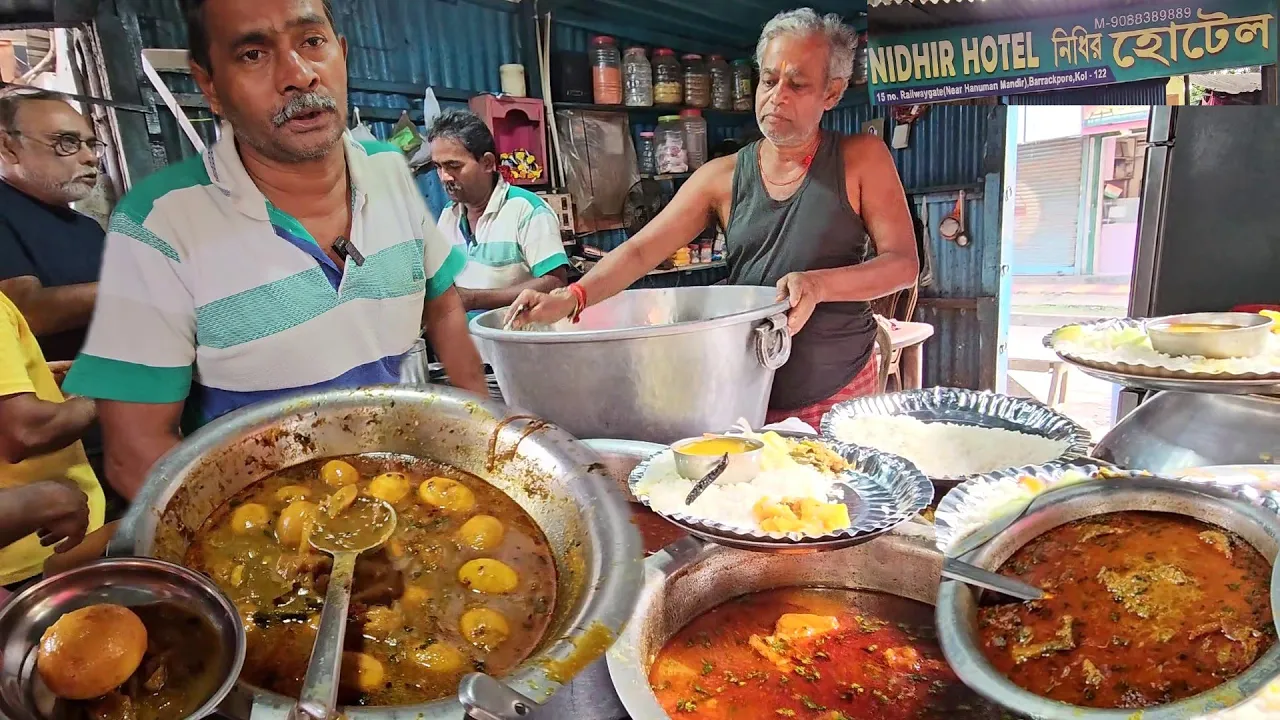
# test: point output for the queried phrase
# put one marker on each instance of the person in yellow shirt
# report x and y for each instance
(49, 495)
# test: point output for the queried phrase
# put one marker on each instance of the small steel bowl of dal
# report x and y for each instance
(1211, 335)
(695, 457)
(180, 609)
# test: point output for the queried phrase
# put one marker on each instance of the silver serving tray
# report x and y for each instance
(1147, 377)
(881, 491)
(976, 408)
(1250, 514)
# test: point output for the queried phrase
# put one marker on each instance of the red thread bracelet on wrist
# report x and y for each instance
(580, 295)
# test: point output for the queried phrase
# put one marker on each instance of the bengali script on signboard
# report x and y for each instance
(1033, 55)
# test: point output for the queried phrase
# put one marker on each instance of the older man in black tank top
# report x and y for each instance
(797, 207)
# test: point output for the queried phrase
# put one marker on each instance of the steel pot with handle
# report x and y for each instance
(552, 476)
(652, 365)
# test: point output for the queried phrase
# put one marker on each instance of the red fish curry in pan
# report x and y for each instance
(1144, 609)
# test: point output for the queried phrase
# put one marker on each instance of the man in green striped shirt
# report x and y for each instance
(511, 236)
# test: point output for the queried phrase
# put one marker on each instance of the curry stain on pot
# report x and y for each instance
(496, 459)
(587, 648)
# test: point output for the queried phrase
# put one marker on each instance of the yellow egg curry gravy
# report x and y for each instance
(466, 582)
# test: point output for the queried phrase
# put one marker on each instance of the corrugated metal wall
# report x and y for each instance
(954, 148)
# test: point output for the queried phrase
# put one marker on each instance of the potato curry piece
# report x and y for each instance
(812, 654)
(177, 674)
(1144, 609)
(466, 582)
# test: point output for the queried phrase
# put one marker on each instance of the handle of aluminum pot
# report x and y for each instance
(773, 342)
(485, 698)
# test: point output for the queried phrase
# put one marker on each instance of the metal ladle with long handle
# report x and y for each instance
(344, 533)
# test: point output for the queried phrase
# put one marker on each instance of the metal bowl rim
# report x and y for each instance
(985, 680)
(612, 596)
(1256, 322)
(629, 680)
(491, 334)
(185, 575)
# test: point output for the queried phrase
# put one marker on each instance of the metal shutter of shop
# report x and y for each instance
(1047, 206)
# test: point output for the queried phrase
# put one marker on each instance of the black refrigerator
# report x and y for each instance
(1209, 223)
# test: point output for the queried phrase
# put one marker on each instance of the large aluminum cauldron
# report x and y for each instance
(557, 480)
(957, 606)
(690, 577)
(654, 365)
(1174, 431)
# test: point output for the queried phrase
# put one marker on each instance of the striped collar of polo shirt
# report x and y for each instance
(516, 239)
(212, 296)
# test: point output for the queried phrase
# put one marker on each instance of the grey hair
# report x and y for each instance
(840, 37)
(12, 98)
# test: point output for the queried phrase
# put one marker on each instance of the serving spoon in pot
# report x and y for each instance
(343, 532)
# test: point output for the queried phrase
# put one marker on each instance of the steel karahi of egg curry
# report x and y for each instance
(1144, 609)
(466, 582)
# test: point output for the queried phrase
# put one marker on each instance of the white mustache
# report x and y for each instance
(301, 105)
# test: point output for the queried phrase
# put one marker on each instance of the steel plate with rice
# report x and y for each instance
(981, 432)
(880, 491)
(1119, 350)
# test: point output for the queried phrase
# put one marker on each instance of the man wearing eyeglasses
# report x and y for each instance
(49, 253)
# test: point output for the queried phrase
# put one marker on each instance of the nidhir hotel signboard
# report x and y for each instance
(1035, 55)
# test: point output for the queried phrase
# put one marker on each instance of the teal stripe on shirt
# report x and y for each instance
(299, 298)
(497, 254)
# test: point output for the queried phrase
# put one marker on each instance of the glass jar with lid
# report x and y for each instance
(646, 154)
(694, 127)
(697, 82)
(668, 78)
(744, 88)
(721, 83)
(637, 78)
(670, 153)
(606, 71)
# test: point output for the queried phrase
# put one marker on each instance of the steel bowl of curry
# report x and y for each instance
(119, 639)
(724, 633)
(512, 552)
(1221, 335)
(1158, 603)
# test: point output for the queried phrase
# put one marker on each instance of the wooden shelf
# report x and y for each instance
(689, 268)
(653, 109)
(668, 176)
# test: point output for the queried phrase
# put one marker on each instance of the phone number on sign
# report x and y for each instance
(1142, 18)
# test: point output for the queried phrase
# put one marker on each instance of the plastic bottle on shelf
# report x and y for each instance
(721, 83)
(637, 78)
(668, 78)
(744, 88)
(606, 71)
(646, 155)
(697, 82)
(694, 127)
(670, 153)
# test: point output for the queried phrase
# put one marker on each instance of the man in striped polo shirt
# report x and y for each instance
(287, 256)
(511, 236)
